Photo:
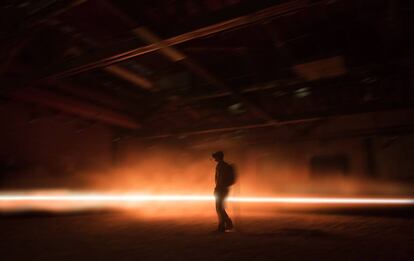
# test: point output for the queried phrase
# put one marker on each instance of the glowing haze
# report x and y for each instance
(159, 180)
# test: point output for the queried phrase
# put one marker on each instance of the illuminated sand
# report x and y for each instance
(281, 236)
(150, 232)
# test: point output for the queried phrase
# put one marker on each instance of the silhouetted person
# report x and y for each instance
(225, 177)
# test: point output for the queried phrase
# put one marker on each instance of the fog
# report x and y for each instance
(261, 171)
(188, 169)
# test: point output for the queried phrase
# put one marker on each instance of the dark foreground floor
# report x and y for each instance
(281, 236)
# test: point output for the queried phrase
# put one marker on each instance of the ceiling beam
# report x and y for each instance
(90, 63)
(227, 129)
(130, 76)
(253, 88)
(301, 119)
(85, 110)
(32, 25)
(365, 132)
(121, 72)
(174, 55)
(93, 94)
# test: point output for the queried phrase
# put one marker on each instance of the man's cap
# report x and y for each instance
(218, 155)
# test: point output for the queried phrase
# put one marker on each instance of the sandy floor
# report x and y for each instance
(284, 235)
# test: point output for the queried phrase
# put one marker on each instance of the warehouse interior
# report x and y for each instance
(308, 98)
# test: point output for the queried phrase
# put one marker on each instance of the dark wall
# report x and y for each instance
(41, 148)
(37, 143)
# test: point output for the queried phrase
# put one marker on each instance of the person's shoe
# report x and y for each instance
(221, 229)
(229, 226)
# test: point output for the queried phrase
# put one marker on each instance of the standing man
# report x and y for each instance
(225, 177)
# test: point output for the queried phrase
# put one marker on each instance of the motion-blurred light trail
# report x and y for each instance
(86, 197)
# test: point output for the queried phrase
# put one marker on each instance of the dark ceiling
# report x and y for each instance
(164, 67)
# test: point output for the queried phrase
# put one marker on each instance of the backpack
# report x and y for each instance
(230, 176)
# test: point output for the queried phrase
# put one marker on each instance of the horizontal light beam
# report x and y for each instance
(10, 198)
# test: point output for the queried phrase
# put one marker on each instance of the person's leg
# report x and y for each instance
(219, 210)
(225, 217)
(228, 223)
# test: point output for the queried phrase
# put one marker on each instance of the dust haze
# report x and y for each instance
(159, 169)
(261, 171)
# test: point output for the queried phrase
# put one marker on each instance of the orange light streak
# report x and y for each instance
(107, 197)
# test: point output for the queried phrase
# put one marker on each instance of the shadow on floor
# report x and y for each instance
(406, 212)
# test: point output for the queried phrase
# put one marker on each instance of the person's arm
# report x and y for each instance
(220, 174)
